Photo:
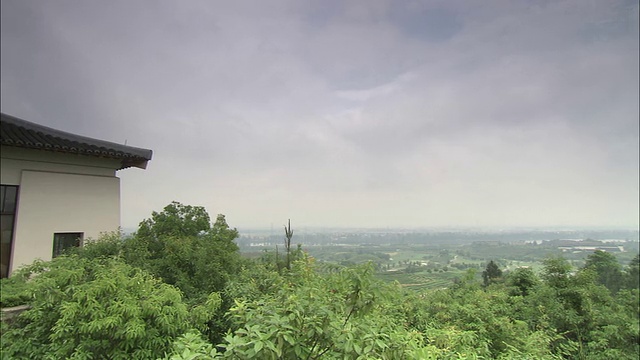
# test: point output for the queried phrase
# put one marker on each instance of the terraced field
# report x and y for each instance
(422, 280)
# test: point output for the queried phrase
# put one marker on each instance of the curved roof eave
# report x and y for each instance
(21, 133)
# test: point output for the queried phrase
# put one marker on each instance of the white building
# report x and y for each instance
(56, 189)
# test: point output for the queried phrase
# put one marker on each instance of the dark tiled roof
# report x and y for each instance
(20, 133)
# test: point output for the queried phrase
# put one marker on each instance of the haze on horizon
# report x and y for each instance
(346, 113)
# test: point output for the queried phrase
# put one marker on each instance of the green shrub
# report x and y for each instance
(15, 291)
(345, 315)
(191, 346)
(110, 244)
(92, 309)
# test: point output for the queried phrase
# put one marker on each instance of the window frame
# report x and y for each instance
(4, 213)
(64, 236)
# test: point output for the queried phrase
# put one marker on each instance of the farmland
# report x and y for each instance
(432, 260)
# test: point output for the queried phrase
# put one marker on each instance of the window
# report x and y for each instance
(63, 241)
(8, 201)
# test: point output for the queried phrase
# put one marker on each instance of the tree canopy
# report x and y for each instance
(491, 273)
(176, 219)
(169, 293)
(607, 269)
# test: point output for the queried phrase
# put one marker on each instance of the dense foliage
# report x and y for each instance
(178, 246)
(178, 289)
(84, 309)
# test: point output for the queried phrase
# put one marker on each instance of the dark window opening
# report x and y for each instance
(8, 201)
(63, 241)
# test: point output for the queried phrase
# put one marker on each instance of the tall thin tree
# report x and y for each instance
(288, 233)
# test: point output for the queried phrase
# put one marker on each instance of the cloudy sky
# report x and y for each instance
(346, 113)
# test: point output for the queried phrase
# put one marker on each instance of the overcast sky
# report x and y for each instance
(346, 113)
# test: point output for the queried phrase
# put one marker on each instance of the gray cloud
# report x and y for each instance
(357, 113)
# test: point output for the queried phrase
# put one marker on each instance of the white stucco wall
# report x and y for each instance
(79, 195)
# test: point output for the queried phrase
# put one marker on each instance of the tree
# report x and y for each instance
(523, 280)
(607, 269)
(633, 273)
(556, 272)
(288, 233)
(181, 246)
(221, 230)
(491, 273)
(176, 219)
